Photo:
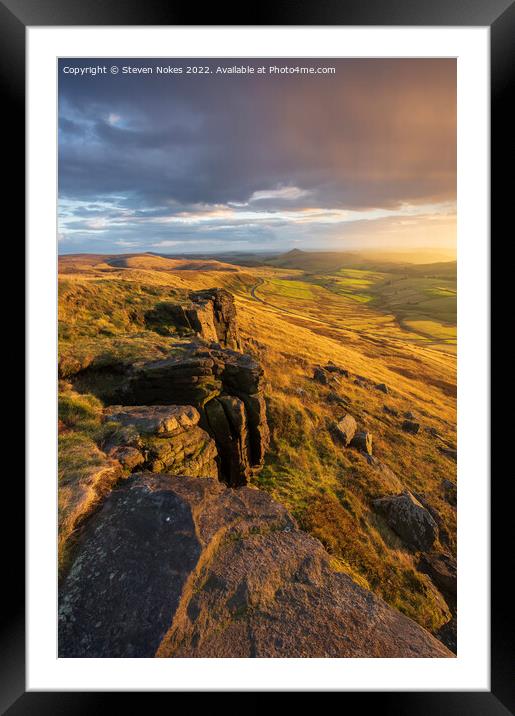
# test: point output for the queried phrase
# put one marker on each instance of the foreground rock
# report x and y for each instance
(184, 567)
(409, 519)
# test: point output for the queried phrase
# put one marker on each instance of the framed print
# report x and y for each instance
(258, 353)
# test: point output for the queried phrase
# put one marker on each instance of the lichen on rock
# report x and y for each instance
(185, 567)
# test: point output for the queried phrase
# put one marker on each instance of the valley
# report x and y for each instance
(283, 350)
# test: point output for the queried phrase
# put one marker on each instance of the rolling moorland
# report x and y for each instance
(325, 380)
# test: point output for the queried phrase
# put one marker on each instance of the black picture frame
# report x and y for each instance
(499, 15)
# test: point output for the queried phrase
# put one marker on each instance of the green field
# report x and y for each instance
(417, 302)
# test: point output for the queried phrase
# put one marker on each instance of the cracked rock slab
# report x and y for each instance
(186, 567)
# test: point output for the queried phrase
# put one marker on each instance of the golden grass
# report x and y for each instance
(329, 489)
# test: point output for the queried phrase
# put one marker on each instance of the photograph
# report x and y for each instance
(257, 357)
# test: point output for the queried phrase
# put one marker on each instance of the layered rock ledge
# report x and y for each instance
(161, 438)
(225, 387)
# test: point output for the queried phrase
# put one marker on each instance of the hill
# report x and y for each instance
(316, 348)
(315, 261)
(150, 262)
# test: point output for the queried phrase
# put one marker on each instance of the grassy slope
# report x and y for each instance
(423, 303)
(102, 313)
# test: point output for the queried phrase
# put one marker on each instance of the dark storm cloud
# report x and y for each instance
(376, 134)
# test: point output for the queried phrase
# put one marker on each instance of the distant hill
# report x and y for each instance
(236, 258)
(324, 261)
(161, 263)
(315, 261)
(147, 261)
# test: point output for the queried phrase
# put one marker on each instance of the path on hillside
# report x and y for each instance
(327, 324)
(280, 308)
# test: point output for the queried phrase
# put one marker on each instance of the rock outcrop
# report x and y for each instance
(409, 519)
(210, 314)
(448, 634)
(209, 376)
(192, 377)
(227, 389)
(227, 420)
(441, 567)
(167, 438)
(157, 420)
(185, 567)
(129, 456)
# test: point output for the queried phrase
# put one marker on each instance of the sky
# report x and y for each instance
(362, 156)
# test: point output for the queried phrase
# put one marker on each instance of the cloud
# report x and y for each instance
(287, 193)
(154, 155)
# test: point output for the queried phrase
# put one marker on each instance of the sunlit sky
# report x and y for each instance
(362, 158)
